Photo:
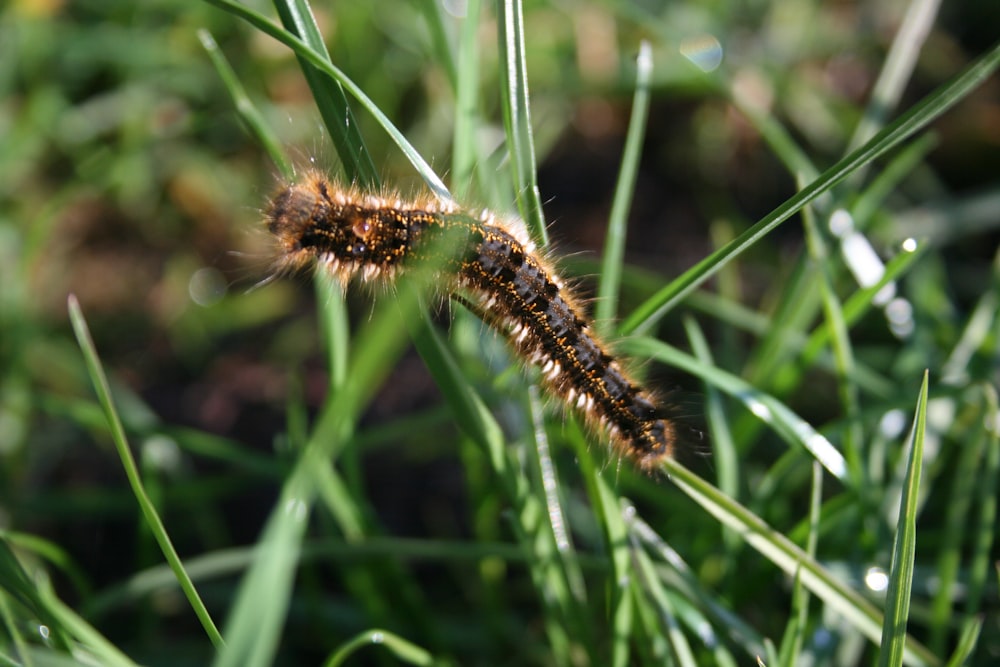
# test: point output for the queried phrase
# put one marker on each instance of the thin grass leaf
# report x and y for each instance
(724, 455)
(981, 563)
(258, 613)
(842, 352)
(149, 512)
(398, 647)
(297, 17)
(529, 525)
(967, 641)
(792, 560)
(465, 153)
(102, 650)
(955, 530)
(680, 648)
(792, 428)
(606, 307)
(893, 647)
(516, 116)
(318, 61)
(245, 108)
(679, 577)
(897, 69)
(914, 120)
(790, 651)
(609, 513)
(20, 646)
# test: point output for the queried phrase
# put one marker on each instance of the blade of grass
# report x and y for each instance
(981, 561)
(400, 648)
(609, 514)
(516, 116)
(893, 646)
(149, 512)
(329, 70)
(245, 108)
(792, 560)
(918, 117)
(897, 69)
(792, 428)
(606, 306)
(967, 641)
(297, 17)
(464, 154)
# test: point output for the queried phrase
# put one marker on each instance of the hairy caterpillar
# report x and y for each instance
(498, 270)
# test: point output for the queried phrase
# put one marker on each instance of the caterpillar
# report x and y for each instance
(498, 270)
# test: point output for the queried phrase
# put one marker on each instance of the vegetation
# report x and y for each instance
(200, 468)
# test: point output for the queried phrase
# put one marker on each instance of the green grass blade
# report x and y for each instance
(898, 67)
(891, 136)
(791, 559)
(258, 613)
(967, 641)
(245, 108)
(893, 646)
(792, 428)
(152, 517)
(606, 307)
(982, 564)
(297, 17)
(404, 650)
(329, 70)
(516, 116)
(609, 512)
(465, 153)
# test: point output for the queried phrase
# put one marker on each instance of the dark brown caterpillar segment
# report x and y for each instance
(513, 288)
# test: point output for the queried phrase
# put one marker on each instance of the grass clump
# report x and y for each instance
(303, 487)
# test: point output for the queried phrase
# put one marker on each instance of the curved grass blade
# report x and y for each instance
(792, 428)
(891, 136)
(400, 648)
(149, 512)
(792, 560)
(300, 48)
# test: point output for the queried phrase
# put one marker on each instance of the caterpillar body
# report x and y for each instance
(498, 270)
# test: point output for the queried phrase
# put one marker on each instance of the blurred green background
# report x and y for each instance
(127, 179)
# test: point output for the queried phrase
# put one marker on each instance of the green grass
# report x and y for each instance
(196, 474)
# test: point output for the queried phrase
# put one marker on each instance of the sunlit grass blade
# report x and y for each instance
(792, 428)
(792, 560)
(516, 116)
(917, 118)
(897, 69)
(400, 648)
(651, 586)
(893, 646)
(615, 533)
(149, 512)
(606, 307)
(843, 354)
